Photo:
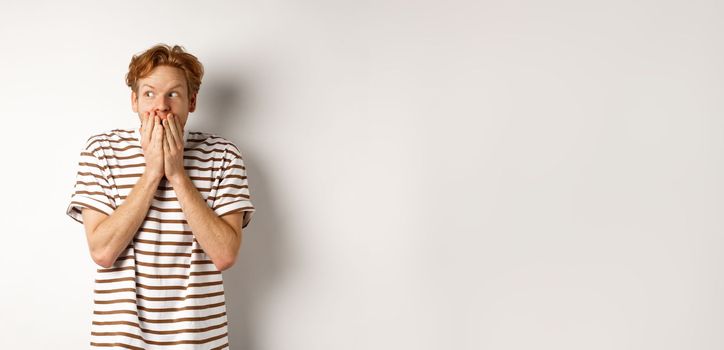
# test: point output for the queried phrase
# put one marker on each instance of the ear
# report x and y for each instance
(134, 101)
(192, 102)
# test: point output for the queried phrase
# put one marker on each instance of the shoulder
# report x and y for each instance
(103, 138)
(213, 142)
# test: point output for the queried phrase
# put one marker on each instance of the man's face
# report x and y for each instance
(164, 91)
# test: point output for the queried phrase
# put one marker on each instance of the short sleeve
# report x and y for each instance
(91, 189)
(232, 193)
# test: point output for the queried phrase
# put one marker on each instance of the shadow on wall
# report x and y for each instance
(223, 110)
(220, 106)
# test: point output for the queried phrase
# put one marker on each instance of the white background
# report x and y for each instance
(427, 175)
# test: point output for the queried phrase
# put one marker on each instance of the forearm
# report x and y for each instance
(215, 236)
(113, 235)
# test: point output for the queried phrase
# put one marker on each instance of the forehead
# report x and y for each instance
(164, 77)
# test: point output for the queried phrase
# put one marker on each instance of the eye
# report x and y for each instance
(174, 92)
(147, 92)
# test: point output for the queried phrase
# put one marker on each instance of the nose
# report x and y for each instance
(160, 104)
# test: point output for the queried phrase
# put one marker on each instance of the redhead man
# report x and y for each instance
(163, 210)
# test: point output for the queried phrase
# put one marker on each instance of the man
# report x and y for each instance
(163, 211)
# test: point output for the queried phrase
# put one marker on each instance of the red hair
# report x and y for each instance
(165, 55)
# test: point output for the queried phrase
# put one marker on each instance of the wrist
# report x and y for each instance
(152, 176)
(179, 180)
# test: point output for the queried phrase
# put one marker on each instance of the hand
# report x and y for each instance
(173, 149)
(152, 144)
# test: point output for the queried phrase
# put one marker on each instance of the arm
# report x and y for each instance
(220, 237)
(108, 236)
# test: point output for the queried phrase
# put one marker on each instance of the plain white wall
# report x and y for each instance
(427, 175)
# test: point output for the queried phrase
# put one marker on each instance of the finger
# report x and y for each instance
(157, 131)
(143, 121)
(172, 138)
(150, 120)
(166, 148)
(176, 126)
(147, 127)
(143, 124)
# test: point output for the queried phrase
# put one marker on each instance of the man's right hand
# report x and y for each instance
(151, 142)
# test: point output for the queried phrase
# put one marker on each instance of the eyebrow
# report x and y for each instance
(173, 87)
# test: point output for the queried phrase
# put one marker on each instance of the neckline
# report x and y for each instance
(137, 135)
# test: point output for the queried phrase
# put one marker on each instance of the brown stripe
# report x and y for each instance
(150, 320)
(94, 184)
(165, 221)
(116, 344)
(205, 273)
(202, 284)
(236, 166)
(186, 266)
(144, 252)
(232, 186)
(215, 143)
(117, 149)
(112, 155)
(183, 277)
(166, 210)
(176, 320)
(91, 165)
(153, 342)
(116, 301)
(204, 160)
(147, 241)
(116, 269)
(161, 232)
(160, 265)
(192, 296)
(202, 261)
(158, 310)
(226, 345)
(121, 279)
(230, 195)
(118, 166)
(220, 150)
(173, 309)
(114, 136)
(119, 290)
(115, 312)
(81, 173)
(153, 331)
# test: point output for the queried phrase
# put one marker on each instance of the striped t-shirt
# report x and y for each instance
(163, 291)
